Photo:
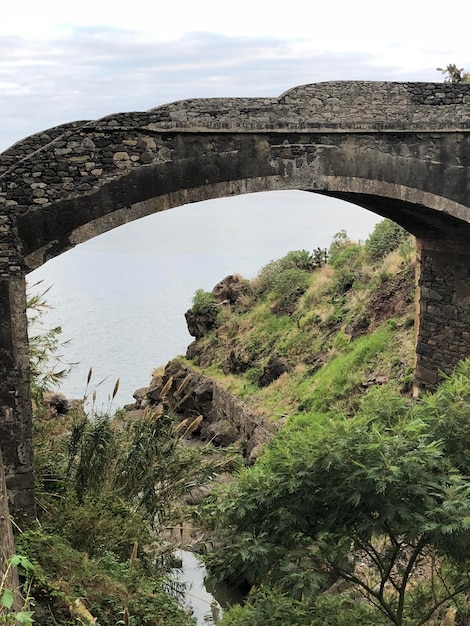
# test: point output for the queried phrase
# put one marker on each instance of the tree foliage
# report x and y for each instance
(45, 346)
(375, 501)
(300, 260)
(453, 74)
(386, 237)
(269, 607)
(288, 286)
(107, 488)
(204, 303)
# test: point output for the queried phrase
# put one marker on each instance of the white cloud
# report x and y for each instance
(88, 71)
(337, 25)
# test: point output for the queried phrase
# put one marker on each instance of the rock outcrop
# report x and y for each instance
(227, 292)
(224, 419)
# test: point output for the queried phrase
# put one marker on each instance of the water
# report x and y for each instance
(206, 601)
(202, 604)
(120, 298)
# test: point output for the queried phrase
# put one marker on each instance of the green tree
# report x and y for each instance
(375, 500)
(269, 607)
(204, 303)
(108, 488)
(386, 237)
(339, 243)
(288, 287)
(454, 74)
(300, 260)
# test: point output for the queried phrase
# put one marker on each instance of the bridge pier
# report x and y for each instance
(442, 311)
(15, 398)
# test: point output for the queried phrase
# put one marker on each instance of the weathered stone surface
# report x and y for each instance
(140, 396)
(443, 320)
(8, 575)
(57, 403)
(388, 146)
(225, 419)
(234, 362)
(230, 289)
(15, 400)
(199, 323)
(399, 149)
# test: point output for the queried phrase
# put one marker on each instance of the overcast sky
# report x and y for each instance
(66, 61)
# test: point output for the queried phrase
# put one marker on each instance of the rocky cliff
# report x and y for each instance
(223, 419)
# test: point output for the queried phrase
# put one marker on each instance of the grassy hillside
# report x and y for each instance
(357, 511)
(311, 335)
(312, 332)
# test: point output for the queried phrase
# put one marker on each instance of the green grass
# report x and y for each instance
(342, 376)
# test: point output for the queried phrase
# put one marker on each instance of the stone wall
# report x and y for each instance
(15, 404)
(443, 316)
(226, 420)
(68, 183)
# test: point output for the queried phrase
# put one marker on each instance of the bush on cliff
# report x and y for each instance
(386, 237)
(203, 316)
(45, 346)
(107, 487)
(303, 317)
(288, 287)
(269, 607)
(301, 260)
(204, 304)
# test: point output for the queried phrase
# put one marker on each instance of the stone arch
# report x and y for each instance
(399, 149)
(134, 194)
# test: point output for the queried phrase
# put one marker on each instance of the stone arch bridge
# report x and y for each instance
(401, 150)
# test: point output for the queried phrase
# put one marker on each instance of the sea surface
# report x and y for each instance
(120, 298)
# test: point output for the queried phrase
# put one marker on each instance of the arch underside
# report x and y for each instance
(423, 214)
(415, 179)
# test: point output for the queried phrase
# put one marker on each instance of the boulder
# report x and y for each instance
(222, 433)
(225, 419)
(141, 397)
(199, 324)
(56, 403)
(230, 289)
(235, 363)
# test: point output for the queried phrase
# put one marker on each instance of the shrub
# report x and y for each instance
(288, 286)
(386, 237)
(300, 259)
(293, 260)
(346, 256)
(267, 607)
(270, 607)
(381, 501)
(45, 347)
(107, 488)
(339, 242)
(265, 278)
(204, 303)
(343, 282)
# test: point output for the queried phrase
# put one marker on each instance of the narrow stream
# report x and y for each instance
(206, 606)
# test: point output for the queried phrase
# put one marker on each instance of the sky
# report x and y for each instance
(61, 62)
